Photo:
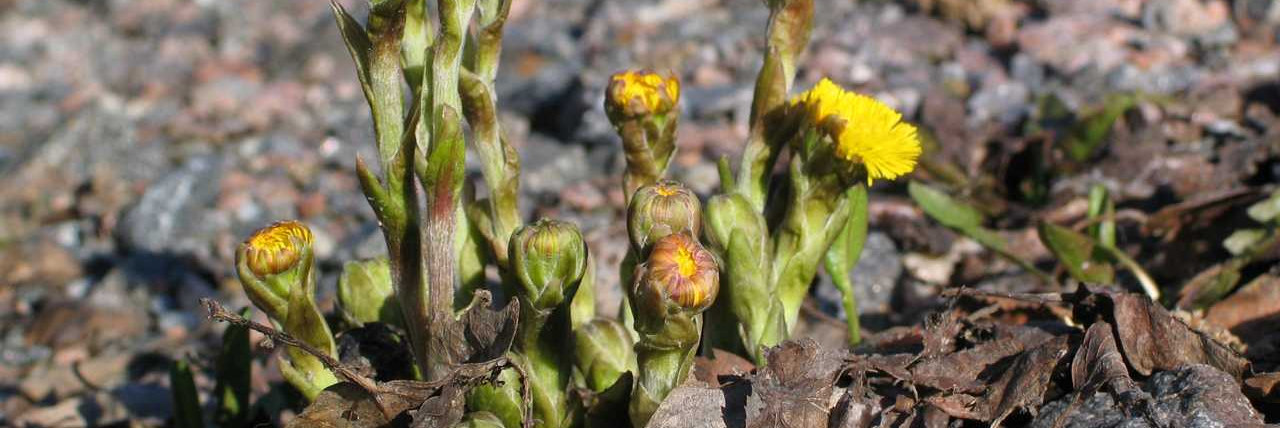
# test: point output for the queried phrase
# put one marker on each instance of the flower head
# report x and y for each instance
(636, 93)
(683, 271)
(661, 209)
(865, 130)
(276, 248)
(549, 259)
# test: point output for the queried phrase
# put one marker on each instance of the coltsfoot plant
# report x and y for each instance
(526, 348)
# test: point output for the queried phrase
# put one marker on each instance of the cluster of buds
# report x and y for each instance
(441, 241)
(275, 265)
(677, 280)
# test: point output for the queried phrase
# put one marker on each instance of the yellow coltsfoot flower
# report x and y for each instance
(863, 129)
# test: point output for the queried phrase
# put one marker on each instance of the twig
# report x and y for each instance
(526, 393)
(219, 313)
(1041, 298)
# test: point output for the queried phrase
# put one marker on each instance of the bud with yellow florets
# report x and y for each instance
(636, 93)
(679, 272)
(275, 266)
(641, 105)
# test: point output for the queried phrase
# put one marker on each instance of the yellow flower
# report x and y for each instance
(276, 248)
(642, 92)
(865, 131)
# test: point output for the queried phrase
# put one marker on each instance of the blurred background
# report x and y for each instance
(142, 140)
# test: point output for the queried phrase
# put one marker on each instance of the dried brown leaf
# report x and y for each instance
(1097, 361)
(795, 386)
(488, 332)
(724, 363)
(345, 405)
(1263, 387)
(1023, 385)
(940, 331)
(1251, 312)
(1152, 339)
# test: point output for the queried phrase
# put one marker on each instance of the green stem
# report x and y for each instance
(664, 361)
(844, 254)
(542, 339)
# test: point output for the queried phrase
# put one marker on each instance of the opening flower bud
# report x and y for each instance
(276, 248)
(661, 209)
(635, 93)
(681, 272)
(549, 258)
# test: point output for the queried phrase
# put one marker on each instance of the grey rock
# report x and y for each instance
(1199, 395)
(1195, 395)
(1099, 410)
(547, 166)
(172, 215)
(1005, 102)
(1166, 80)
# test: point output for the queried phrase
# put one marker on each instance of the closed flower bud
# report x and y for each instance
(661, 209)
(679, 272)
(634, 94)
(548, 258)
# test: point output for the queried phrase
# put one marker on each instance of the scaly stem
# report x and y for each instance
(664, 359)
(542, 339)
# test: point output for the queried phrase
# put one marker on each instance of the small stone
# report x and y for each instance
(170, 215)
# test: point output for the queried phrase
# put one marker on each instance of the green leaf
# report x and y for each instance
(234, 371)
(967, 220)
(366, 294)
(501, 399)
(944, 208)
(1078, 253)
(1091, 131)
(186, 401)
(1266, 211)
(1102, 213)
(843, 256)
(480, 420)
(1242, 239)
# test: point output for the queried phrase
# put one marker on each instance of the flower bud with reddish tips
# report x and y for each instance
(276, 248)
(636, 93)
(663, 208)
(679, 271)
